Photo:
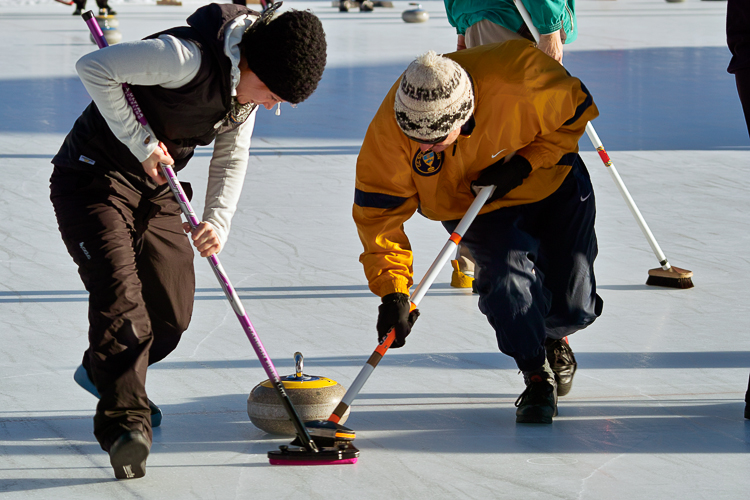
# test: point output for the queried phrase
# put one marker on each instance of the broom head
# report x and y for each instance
(673, 278)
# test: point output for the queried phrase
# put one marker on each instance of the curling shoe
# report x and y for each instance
(344, 6)
(459, 279)
(538, 403)
(77, 12)
(81, 376)
(128, 455)
(366, 6)
(563, 363)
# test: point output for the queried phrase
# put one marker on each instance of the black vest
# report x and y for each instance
(181, 118)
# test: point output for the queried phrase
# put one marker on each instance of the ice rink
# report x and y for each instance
(656, 410)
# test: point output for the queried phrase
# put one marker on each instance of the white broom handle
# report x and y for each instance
(626, 195)
(416, 297)
(608, 162)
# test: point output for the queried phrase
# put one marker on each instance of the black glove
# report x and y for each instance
(394, 313)
(504, 176)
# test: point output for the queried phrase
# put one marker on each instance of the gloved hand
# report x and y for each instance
(394, 313)
(504, 176)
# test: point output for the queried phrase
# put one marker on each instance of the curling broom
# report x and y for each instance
(666, 275)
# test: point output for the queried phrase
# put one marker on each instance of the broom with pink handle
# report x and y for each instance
(311, 454)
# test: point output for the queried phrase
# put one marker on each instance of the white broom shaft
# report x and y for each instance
(628, 199)
(451, 244)
(591, 133)
(416, 297)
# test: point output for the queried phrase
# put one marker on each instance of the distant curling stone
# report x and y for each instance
(418, 15)
(108, 24)
(313, 397)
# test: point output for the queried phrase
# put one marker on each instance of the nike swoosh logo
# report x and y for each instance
(498, 152)
(586, 197)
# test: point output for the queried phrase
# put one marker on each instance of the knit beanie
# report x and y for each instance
(287, 53)
(434, 97)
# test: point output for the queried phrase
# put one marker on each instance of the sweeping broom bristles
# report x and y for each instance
(674, 277)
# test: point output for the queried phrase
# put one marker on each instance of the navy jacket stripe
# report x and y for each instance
(581, 107)
(377, 200)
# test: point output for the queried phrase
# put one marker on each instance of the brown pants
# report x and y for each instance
(137, 265)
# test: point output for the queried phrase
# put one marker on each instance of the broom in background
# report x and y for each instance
(666, 275)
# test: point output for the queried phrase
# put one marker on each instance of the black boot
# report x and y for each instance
(538, 403)
(563, 363)
(105, 5)
(128, 455)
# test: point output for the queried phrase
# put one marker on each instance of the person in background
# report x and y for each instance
(102, 4)
(738, 41)
(479, 22)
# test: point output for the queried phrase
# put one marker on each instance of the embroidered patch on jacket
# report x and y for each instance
(427, 163)
(86, 159)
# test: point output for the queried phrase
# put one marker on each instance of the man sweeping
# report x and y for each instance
(503, 115)
(119, 220)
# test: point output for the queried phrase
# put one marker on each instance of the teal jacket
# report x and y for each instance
(548, 15)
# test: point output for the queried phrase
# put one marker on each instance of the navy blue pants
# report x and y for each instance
(536, 268)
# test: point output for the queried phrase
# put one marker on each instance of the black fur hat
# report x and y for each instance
(287, 53)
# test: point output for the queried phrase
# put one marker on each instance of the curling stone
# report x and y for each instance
(108, 24)
(418, 15)
(313, 397)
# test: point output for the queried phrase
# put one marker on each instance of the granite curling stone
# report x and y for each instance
(313, 397)
(418, 15)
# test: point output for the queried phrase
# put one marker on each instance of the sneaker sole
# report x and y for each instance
(533, 419)
(128, 459)
(536, 418)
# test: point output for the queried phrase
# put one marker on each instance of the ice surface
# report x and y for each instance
(656, 408)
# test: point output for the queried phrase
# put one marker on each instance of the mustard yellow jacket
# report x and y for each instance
(525, 102)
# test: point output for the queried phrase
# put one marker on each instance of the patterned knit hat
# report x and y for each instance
(434, 98)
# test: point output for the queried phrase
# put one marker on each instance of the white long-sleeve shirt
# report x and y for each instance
(170, 62)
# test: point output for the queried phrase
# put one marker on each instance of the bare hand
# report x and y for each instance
(461, 43)
(151, 164)
(552, 45)
(204, 238)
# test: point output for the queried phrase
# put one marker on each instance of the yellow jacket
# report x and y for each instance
(525, 102)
